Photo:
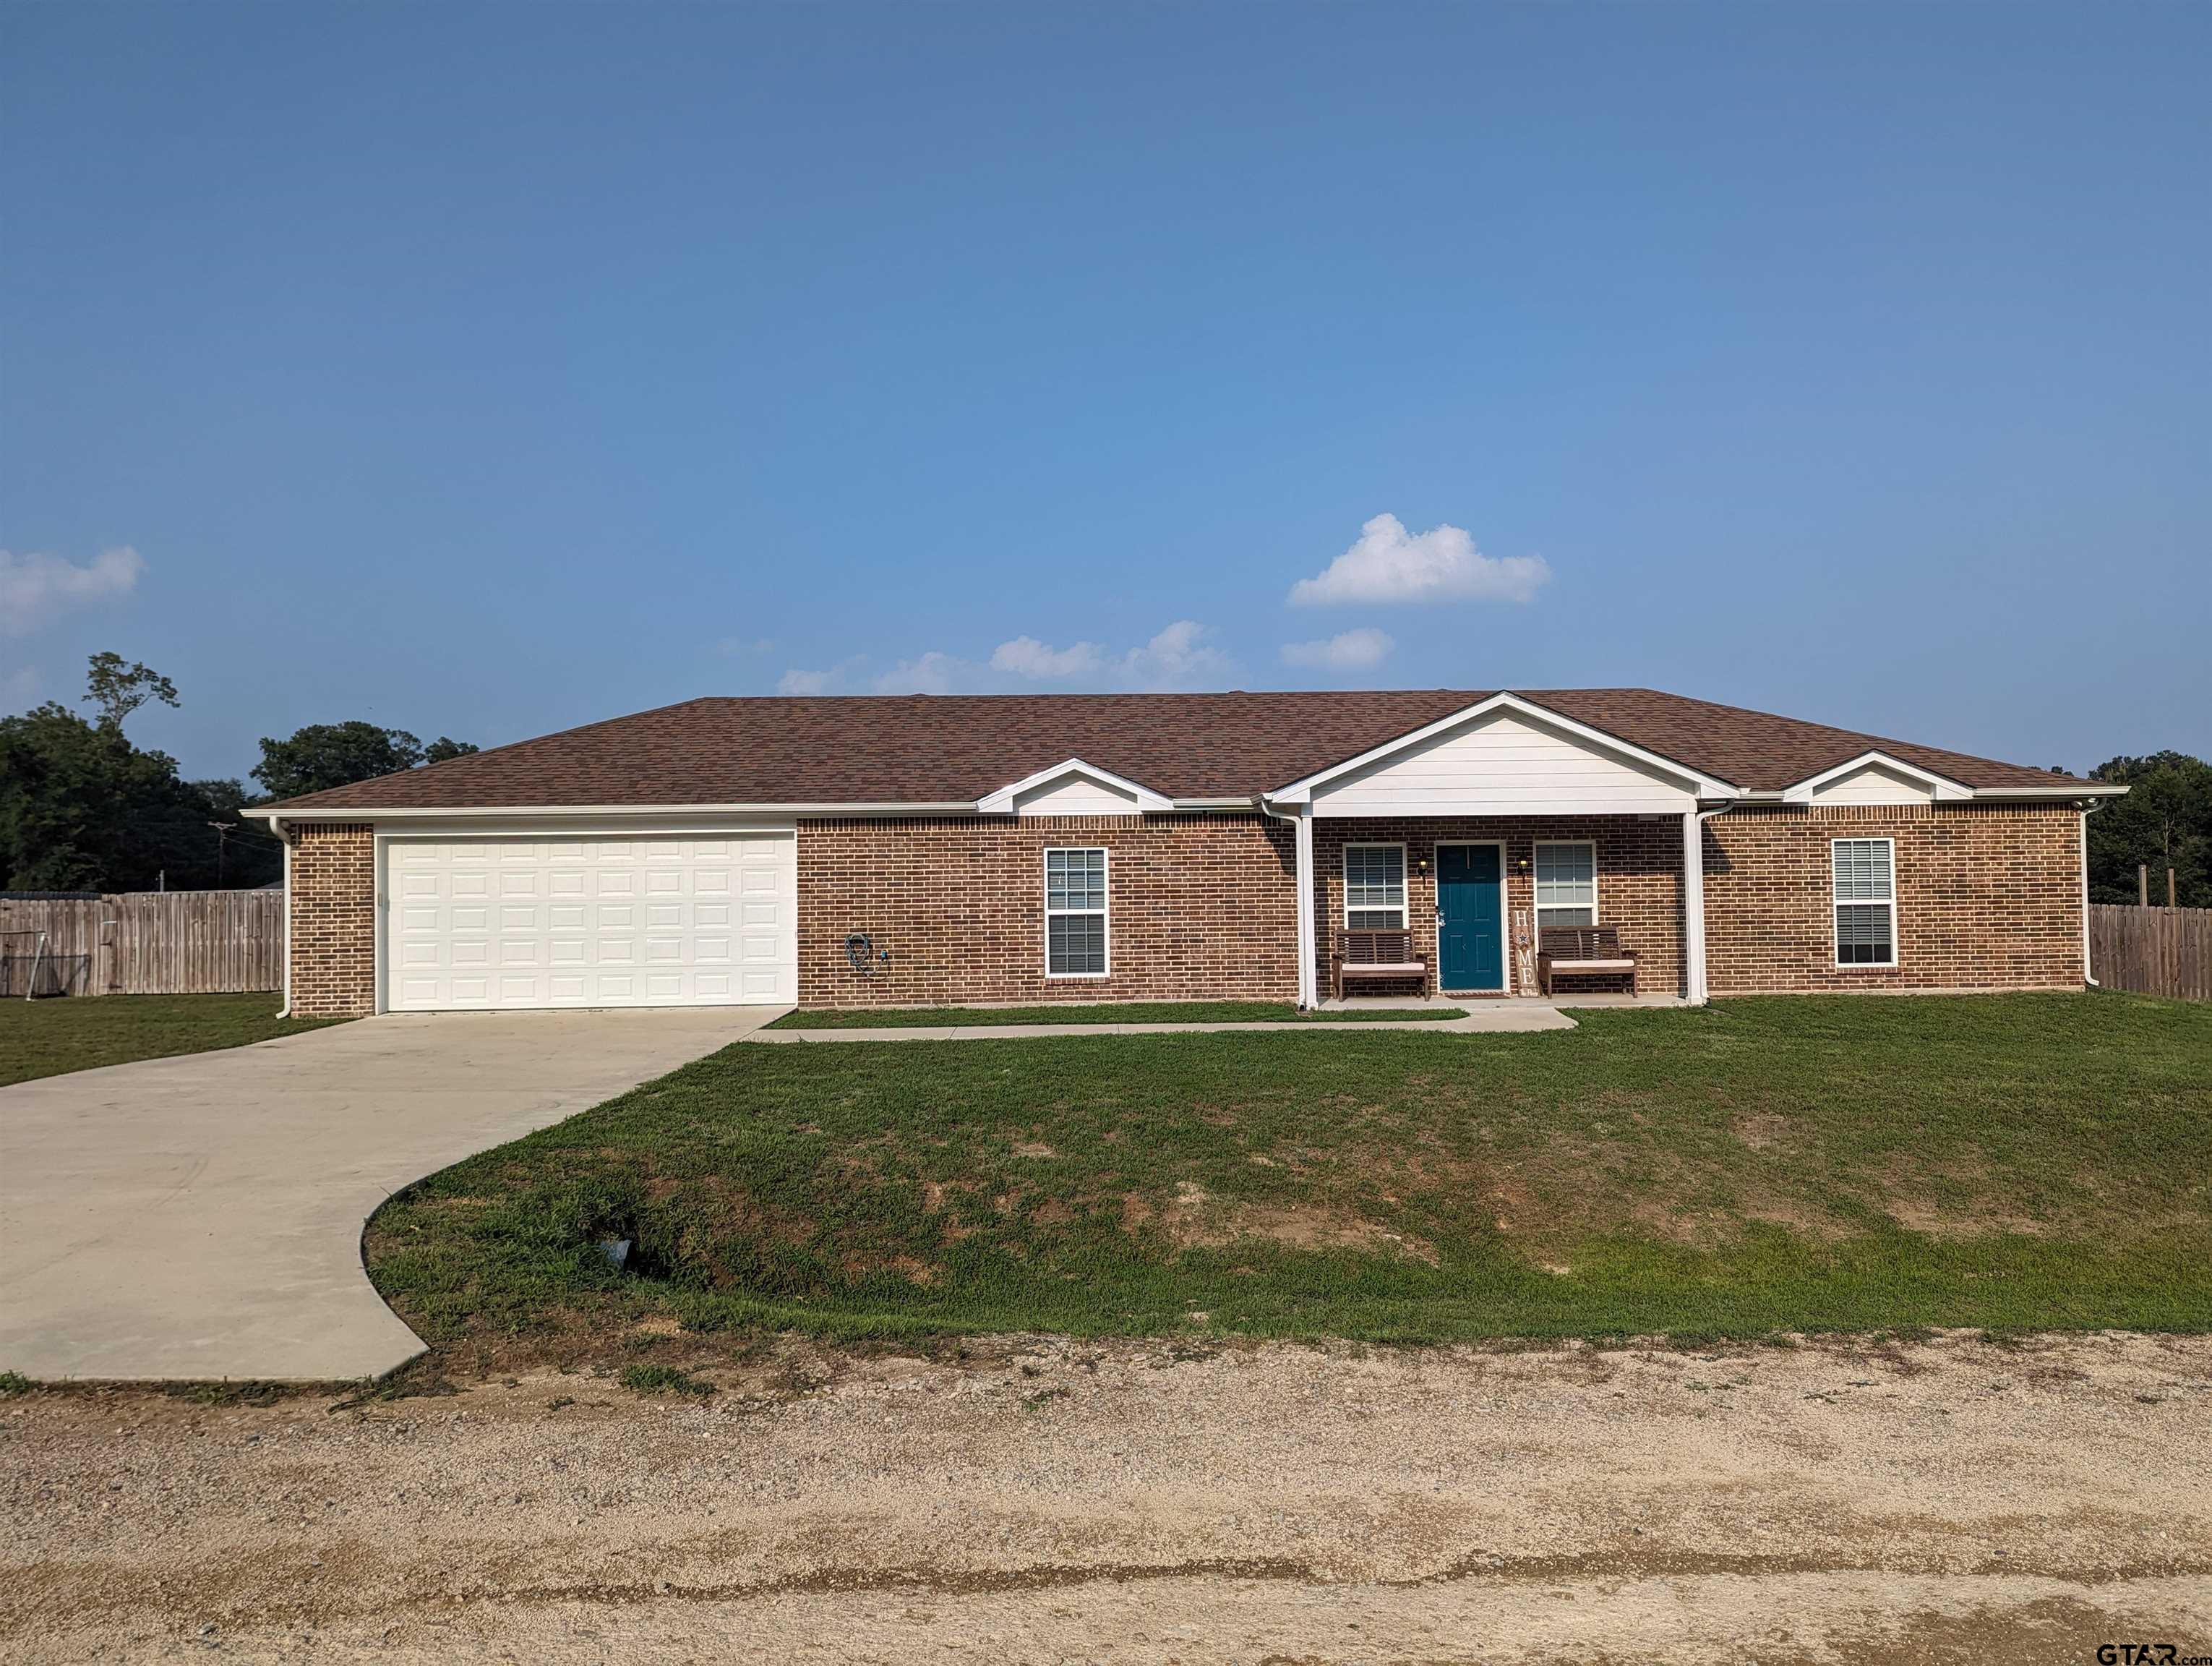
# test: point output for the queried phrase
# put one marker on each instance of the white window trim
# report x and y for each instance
(1405, 883)
(1896, 933)
(1536, 885)
(1105, 915)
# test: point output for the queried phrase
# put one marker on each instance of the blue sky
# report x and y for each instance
(487, 370)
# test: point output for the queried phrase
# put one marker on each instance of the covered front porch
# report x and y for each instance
(1475, 837)
(1475, 895)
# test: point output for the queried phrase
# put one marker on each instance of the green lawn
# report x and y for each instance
(1131, 1012)
(51, 1038)
(1757, 1166)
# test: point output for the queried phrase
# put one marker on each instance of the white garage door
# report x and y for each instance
(590, 922)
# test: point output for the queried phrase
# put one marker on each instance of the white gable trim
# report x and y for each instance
(1940, 787)
(1705, 785)
(1003, 802)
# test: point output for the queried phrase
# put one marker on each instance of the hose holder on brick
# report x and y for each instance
(861, 951)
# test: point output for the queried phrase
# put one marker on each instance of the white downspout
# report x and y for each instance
(1302, 827)
(276, 826)
(1309, 976)
(2088, 810)
(1693, 902)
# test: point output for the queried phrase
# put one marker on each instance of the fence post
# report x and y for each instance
(2142, 884)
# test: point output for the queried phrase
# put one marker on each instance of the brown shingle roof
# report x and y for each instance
(945, 749)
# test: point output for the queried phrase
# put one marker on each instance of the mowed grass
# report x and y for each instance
(1756, 1167)
(52, 1037)
(1133, 1012)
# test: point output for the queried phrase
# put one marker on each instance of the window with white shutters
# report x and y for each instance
(1566, 883)
(1865, 901)
(1075, 914)
(1374, 886)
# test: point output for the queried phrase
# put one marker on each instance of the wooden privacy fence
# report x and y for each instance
(2155, 952)
(147, 943)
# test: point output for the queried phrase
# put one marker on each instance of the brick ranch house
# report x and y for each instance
(1016, 848)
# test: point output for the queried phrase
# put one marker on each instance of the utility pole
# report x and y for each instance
(221, 843)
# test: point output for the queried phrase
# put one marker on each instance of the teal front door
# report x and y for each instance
(1470, 918)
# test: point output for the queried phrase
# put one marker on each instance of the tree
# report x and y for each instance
(118, 689)
(325, 755)
(2165, 821)
(83, 809)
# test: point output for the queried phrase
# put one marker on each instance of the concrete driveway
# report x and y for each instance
(200, 1217)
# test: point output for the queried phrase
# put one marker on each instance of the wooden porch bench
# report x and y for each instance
(1583, 952)
(1375, 954)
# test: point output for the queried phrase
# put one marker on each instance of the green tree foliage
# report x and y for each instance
(2165, 820)
(117, 689)
(83, 809)
(325, 755)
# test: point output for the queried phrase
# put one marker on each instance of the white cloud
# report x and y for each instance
(1390, 564)
(35, 587)
(1025, 656)
(1352, 650)
(1180, 657)
(932, 673)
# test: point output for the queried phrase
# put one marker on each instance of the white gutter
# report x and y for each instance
(544, 812)
(579, 811)
(2071, 792)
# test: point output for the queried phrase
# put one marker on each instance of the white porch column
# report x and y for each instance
(1694, 906)
(1309, 980)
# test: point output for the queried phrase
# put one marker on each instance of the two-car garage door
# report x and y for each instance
(506, 922)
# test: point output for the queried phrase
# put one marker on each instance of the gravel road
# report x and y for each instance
(1949, 1499)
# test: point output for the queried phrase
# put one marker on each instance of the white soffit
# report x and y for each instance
(1075, 788)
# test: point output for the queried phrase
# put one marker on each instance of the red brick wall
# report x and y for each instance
(1639, 882)
(1989, 897)
(333, 903)
(1199, 907)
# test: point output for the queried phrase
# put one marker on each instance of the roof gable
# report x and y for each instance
(1582, 736)
(1011, 800)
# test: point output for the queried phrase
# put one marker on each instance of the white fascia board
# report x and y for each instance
(2063, 792)
(1002, 803)
(1705, 785)
(604, 812)
(1941, 787)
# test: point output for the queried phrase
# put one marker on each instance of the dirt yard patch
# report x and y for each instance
(1047, 1499)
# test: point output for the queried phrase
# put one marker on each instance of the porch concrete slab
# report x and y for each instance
(1493, 1017)
(200, 1218)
